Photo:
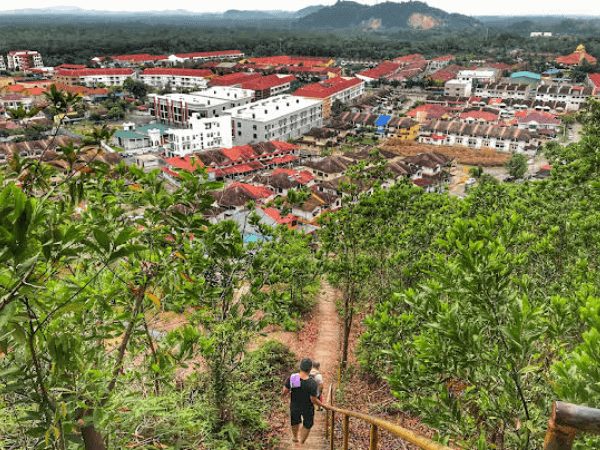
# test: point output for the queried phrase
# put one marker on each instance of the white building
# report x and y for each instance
(204, 134)
(481, 75)
(277, 118)
(94, 77)
(177, 109)
(230, 55)
(457, 88)
(2, 64)
(503, 90)
(176, 78)
(24, 59)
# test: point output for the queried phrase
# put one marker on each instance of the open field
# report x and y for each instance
(461, 155)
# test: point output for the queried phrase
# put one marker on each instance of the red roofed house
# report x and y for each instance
(285, 60)
(429, 111)
(409, 58)
(576, 58)
(440, 62)
(176, 78)
(343, 89)
(384, 69)
(536, 121)
(128, 60)
(476, 116)
(93, 77)
(593, 80)
(71, 67)
(232, 55)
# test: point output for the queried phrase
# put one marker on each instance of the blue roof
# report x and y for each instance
(552, 71)
(383, 120)
(526, 75)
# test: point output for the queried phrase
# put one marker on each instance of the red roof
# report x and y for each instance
(36, 91)
(423, 182)
(328, 87)
(277, 217)
(200, 73)
(594, 79)
(539, 118)
(409, 58)
(546, 167)
(443, 58)
(208, 54)
(268, 82)
(484, 115)
(257, 192)
(15, 87)
(433, 111)
(170, 172)
(285, 60)
(383, 69)
(93, 72)
(71, 66)
(140, 57)
(244, 152)
(574, 58)
(233, 78)
(302, 177)
(184, 163)
(447, 73)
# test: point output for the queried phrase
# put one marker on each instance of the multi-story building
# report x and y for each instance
(2, 64)
(278, 118)
(453, 132)
(503, 90)
(204, 134)
(93, 77)
(231, 55)
(19, 60)
(341, 89)
(481, 75)
(129, 60)
(440, 62)
(573, 96)
(457, 88)
(176, 78)
(177, 109)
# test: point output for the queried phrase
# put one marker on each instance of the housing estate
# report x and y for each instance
(232, 55)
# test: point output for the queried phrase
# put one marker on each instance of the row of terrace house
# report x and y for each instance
(160, 78)
(233, 163)
(454, 132)
(391, 126)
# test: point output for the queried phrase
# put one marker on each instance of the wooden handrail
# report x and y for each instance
(566, 420)
(376, 424)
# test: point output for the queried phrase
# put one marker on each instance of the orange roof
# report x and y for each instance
(93, 72)
(285, 60)
(239, 153)
(433, 111)
(576, 57)
(484, 115)
(409, 58)
(268, 82)
(184, 163)
(327, 88)
(383, 69)
(208, 54)
(595, 79)
(201, 73)
(15, 87)
(255, 191)
(140, 57)
(443, 58)
(277, 217)
(36, 91)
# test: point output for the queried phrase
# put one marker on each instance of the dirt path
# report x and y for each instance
(326, 351)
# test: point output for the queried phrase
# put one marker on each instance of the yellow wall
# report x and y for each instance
(6, 81)
(408, 134)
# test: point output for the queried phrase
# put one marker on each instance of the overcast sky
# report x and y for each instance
(468, 7)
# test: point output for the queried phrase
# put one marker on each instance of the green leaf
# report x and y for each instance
(102, 238)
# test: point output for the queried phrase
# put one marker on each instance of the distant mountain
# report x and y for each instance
(232, 14)
(405, 15)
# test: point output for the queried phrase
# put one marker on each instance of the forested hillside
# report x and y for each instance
(72, 39)
(126, 318)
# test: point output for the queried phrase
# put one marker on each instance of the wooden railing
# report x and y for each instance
(566, 421)
(376, 425)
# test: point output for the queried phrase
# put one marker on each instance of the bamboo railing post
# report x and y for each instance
(331, 439)
(346, 426)
(373, 437)
(327, 424)
(565, 421)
